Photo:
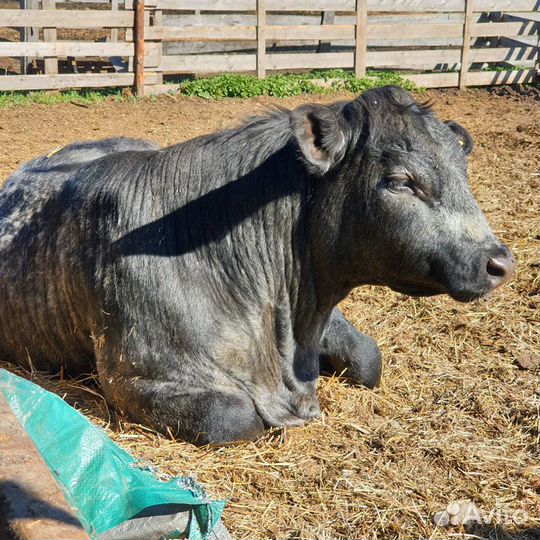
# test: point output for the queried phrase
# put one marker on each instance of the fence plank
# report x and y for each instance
(434, 80)
(519, 41)
(63, 18)
(307, 60)
(495, 29)
(250, 19)
(512, 16)
(201, 33)
(332, 32)
(58, 82)
(488, 78)
(436, 58)
(479, 78)
(503, 54)
(335, 32)
(261, 38)
(360, 38)
(247, 62)
(289, 19)
(466, 44)
(65, 48)
(209, 63)
(348, 5)
(420, 59)
(248, 33)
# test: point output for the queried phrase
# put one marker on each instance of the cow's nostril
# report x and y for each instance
(500, 269)
(495, 269)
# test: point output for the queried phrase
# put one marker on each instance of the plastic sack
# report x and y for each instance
(104, 484)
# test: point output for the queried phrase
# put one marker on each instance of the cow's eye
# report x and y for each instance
(400, 183)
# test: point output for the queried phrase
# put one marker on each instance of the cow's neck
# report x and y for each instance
(251, 196)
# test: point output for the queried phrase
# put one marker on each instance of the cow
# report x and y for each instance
(201, 280)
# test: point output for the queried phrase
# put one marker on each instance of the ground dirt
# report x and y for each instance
(456, 414)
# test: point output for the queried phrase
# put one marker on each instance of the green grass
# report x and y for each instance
(503, 68)
(83, 97)
(246, 86)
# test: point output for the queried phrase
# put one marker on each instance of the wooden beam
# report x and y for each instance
(328, 19)
(420, 59)
(114, 31)
(153, 52)
(334, 32)
(466, 44)
(50, 34)
(27, 33)
(32, 502)
(201, 33)
(305, 18)
(494, 29)
(261, 39)
(476, 78)
(208, 63)
(360, 36)
(138, 35)
(65, 48)
(490, 78)
(60, 82)
(63, 18)
(219, 63)
(348, 5)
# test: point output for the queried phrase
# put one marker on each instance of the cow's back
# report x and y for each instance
(45, 305)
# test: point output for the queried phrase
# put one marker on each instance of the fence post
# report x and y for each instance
(261, 39)
(114, 31)
(467, 23)
(138, 37)
(28, 33)
(50, 35)
(360, 46)
(328, 17)
(157, 48)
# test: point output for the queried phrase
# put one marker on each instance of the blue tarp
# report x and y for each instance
(104, 484)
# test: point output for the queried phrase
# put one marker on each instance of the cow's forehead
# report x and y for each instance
(408, 131)
(425, 148)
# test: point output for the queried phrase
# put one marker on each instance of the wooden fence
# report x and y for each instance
(433, 43)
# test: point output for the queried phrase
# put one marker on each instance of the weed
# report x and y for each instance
(245, 86)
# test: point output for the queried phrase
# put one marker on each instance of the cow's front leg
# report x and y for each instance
(344, 348)
(200, 416)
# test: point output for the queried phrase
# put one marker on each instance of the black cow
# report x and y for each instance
(201, 279)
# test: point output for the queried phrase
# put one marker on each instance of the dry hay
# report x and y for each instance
(455, 417)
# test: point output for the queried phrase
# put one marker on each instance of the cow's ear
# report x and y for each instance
(319, 136)
(464, 139)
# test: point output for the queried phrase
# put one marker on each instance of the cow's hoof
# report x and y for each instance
(360, 361)
(227, 419)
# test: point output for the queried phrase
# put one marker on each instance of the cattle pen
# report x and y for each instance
(50, 45)
(447, 444)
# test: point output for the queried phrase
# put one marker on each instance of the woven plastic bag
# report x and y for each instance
(104, 484)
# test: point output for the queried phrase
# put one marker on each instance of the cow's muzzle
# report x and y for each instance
(500, 266)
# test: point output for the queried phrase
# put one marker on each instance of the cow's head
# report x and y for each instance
(392, 204)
